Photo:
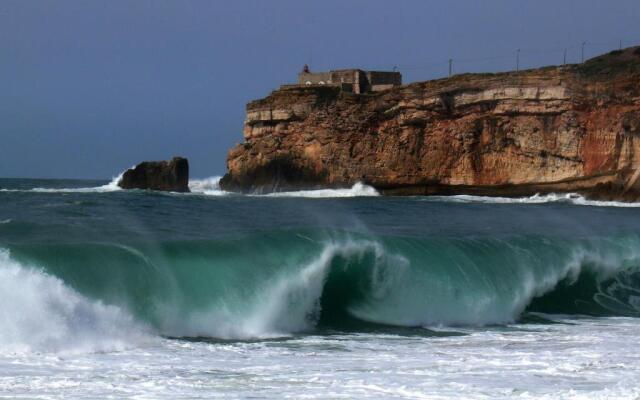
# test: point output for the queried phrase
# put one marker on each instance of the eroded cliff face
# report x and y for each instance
(556, 129)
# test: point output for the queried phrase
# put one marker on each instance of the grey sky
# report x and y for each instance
(88, 88)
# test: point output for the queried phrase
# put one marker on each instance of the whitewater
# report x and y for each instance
(335, 293)
(211, 187)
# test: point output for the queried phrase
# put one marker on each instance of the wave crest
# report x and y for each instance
(351, 284)
(211, 187)
(567, 198)
(39, 313)
(279, 283)
(291, 302)
(359, 189)
(208, 186)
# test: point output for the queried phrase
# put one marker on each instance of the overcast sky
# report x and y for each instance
(89, 88)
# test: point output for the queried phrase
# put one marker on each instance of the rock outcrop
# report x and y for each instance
(170, 176)
(574, 128)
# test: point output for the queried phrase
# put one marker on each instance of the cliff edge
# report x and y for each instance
(574, 128)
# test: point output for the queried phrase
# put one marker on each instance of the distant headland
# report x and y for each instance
(573, 128)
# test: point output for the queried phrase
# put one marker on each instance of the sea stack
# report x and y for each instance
(573, 128)
(169, 176)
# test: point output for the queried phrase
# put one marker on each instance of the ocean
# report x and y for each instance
(106, 293)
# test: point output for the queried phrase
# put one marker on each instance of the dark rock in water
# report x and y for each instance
(170, 176)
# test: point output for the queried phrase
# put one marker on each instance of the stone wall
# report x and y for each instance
(384, 78)
(353, 80)
(313, 78)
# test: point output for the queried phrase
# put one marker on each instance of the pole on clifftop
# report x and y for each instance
(620, 47)
(450, 67)
(517, 60)
(564, 57)
(582, 53)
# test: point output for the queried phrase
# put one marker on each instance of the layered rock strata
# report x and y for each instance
(556, 129)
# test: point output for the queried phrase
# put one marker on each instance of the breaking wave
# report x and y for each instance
(40, 313)
(100, 296)
(211, 187)
(567, 198)
(357, 190)
(208, 186)
(112, 186)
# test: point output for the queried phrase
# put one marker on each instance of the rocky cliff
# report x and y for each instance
(555, 129)
(170, 176)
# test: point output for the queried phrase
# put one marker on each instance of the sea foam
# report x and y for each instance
(211, 187)
(40, 313)
(286, 304)
(357, 190)
(568, 198)
(207, 186)
(112, 186)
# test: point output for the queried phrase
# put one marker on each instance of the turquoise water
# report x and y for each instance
(88, 270)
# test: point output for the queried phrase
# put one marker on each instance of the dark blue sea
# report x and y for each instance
(314, 294)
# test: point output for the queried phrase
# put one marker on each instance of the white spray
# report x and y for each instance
(38, 312)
